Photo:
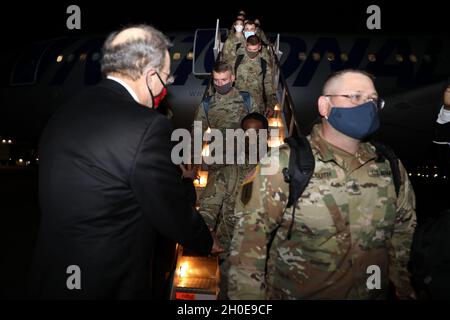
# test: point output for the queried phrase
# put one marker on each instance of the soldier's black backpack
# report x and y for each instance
(302, 163)
(430, 258)
(244, 94)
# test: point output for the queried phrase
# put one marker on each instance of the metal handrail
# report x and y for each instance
(285, 98)
(218, 55)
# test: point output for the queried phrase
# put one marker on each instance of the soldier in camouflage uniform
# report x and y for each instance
(226, 106)
(235, 39)
(251, 29)
(250, 76)
(226, 111)
(225, 191)
(348, 218)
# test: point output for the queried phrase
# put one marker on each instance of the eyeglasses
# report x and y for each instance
(360, 99)
(170, 78)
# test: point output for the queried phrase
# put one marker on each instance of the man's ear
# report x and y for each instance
(233, 78)
(324, 106)
(150, 73)
(149, 76)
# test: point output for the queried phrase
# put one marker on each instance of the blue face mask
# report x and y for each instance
(248, 34)
(356, 122)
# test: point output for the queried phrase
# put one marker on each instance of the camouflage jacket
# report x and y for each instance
(249, 77)
(225, 112)
(348, 219)
(218, 200)
(229, 47)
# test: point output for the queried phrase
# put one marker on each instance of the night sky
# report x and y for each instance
(39, 20)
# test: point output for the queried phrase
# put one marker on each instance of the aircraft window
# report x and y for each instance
(25, 70)
(413, 58)
(96, 56)
(316, 56)
(330, 56)
(302, 56)
(176, 56)
(59, 58)
(190, 55)
(83, 56)
(399, 58)
(71, 57)
(372, 57)
(344, 57)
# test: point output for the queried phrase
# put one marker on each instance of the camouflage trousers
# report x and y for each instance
(217, 204)
(218, 200)
(224, 265)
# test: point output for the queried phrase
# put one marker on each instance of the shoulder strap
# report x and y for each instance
(206, 103)
(301, 167)
(299, 173)
(238, 45)
(263, 68)
(386, 152)
(247, 100)
(238, 62)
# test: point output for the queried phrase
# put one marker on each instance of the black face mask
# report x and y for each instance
(224, 89)
(252, 54)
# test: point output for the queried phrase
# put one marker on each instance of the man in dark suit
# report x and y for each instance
(107, 184)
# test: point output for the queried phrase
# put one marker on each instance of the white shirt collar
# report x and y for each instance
(126, 86)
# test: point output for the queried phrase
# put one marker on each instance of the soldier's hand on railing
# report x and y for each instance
(269, 112)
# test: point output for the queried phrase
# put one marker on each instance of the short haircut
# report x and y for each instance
(249, 22)
(222, 66)
(253, 40)
(136, 56)
(335, 75)
(256, 116)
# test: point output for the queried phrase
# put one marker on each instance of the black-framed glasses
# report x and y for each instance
(170, 78)
(360, 99)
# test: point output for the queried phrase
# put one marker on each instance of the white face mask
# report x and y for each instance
(238, 28)
(248, 34)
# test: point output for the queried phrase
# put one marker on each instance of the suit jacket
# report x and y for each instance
(107, 186)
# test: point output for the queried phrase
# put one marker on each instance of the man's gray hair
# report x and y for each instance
(134, 57)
